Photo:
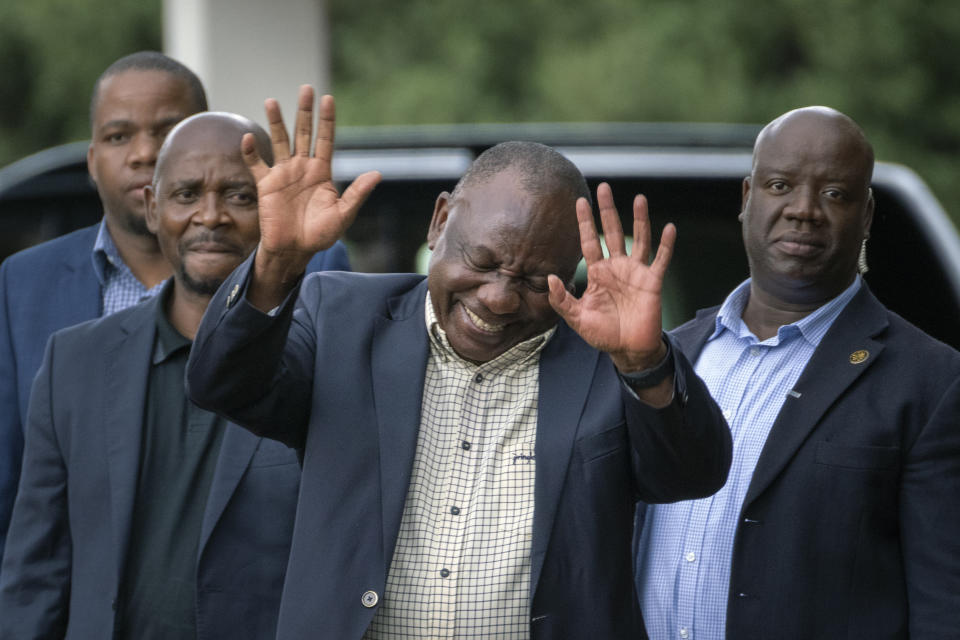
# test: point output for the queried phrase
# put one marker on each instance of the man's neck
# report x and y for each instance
(141, 254)
(185, 309)
(764, 314)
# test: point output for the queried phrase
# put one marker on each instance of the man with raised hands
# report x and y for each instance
(474, 442)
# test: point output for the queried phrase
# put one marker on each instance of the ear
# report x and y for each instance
(744, 196)
(90, 164)
(438, 223)
(150, 202)
(868, 213)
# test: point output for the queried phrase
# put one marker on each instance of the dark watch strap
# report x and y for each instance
(651, 377)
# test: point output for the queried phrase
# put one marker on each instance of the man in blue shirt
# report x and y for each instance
(839, 518)
(100, 269)
(107, 267)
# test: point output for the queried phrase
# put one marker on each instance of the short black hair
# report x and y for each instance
(152, 61)
(542, 170)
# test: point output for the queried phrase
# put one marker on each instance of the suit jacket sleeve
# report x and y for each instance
(11, 429)
(682, 451)
(333, 259)
(253, 368)
(35, 579)
(930, 521)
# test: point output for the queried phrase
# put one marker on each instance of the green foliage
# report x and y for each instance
(891, 66)
(52, 52)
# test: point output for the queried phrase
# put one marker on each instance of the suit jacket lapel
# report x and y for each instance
(236, 451)
(79, 293)
(828, 374)
(567, 367)
(398, 364)
(692, 335)
(124, 401)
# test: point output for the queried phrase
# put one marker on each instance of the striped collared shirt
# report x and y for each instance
(685, 549)
(120, 287)
(461, 567)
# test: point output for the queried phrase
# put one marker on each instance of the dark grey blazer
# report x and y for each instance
(71, 522)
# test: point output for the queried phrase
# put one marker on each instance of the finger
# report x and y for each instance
(323, 149)
(641, 229)
(251, 157)
(278, 132)
(303, 127)
(589, 240)
(358, 191)
(610, 219)
(563, 302)
(668, 240)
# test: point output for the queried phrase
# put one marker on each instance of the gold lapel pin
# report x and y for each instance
(859, 356)
(233, 295)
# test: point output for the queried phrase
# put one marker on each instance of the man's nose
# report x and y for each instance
(804, 206)
(143, 150)
(212, 212)
(499, 295)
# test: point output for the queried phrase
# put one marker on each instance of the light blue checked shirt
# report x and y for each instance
(684, 551)
(120, 287)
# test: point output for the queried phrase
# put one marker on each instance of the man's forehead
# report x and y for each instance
(810, 145)
(192, 162)
(153, 88)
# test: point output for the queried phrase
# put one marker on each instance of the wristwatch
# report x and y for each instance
(651, 377)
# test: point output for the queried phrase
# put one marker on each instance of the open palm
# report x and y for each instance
(301, 211)
(619, 312)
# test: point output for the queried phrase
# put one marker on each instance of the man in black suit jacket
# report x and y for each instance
(140, 515)
(841, 514)
(471, 461)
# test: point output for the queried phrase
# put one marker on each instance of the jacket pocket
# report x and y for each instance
(603, 444)
(848, 456)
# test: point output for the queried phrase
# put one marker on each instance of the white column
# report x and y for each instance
(245, 51)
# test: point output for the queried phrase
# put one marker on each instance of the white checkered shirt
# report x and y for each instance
(120, 287)
(685, 550)
(461, 567)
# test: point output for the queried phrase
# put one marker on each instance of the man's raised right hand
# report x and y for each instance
(301, 211)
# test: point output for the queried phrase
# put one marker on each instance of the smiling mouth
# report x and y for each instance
(483, 325)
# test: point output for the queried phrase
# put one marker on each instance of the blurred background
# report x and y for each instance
(892, 66)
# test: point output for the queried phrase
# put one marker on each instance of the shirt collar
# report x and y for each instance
(169, 341)
(812, 326)
(105, 253)
(515, 355)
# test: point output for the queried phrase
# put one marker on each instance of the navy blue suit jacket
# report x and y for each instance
(43, 289)
(851, 525)
(71, 523)
(346, 387)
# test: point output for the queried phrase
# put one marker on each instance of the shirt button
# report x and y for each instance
(444, 573)
(478, 378)
(684, 633)
(691, 556)
(755, 351)
(465, 445)
(455, 510)
(728, 414)
(369, 599)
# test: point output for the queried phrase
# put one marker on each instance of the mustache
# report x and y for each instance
(214, 237)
